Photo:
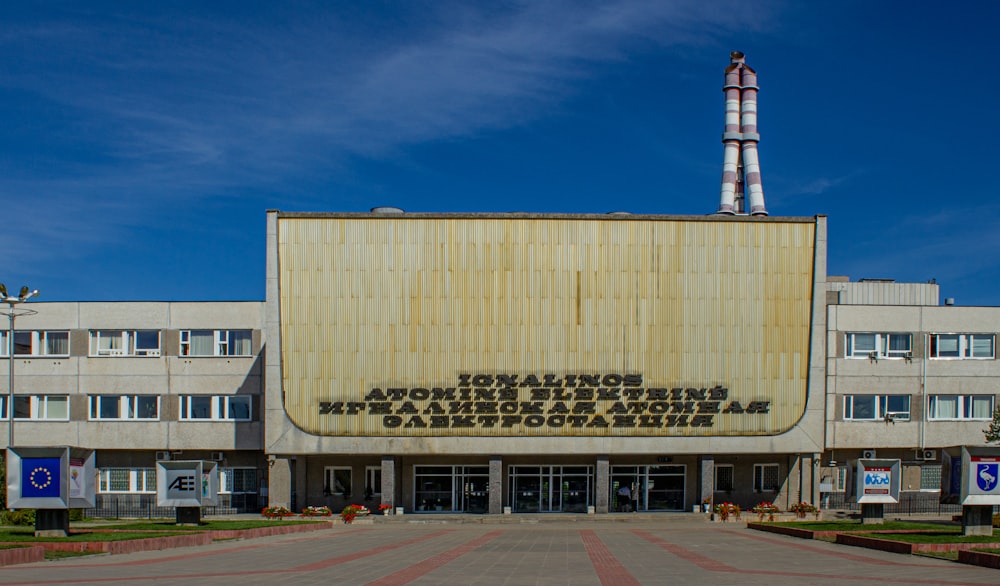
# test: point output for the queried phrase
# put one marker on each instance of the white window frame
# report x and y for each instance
(732, 477)
(140, 480)
(963, 407)
(127, 343)
(227, 477)
(373, 479)
(881, 407)
(331, 487)
(881, 347)
(128, 407)
(39, 407)
(760, 475)
(966, 346)
(222, 345)
(219, 407)
(38, 340)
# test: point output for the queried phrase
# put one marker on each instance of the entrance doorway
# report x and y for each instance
(652, 488)
(551, 489)
(451, 489)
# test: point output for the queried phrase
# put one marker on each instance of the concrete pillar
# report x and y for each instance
(872, 513)
(388, 488)
(977, 520)
(300, 492)
(706, 484)
(279, 482)
(602, 484)
(496, 485)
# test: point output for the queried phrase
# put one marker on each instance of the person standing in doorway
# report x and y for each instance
(624, 497)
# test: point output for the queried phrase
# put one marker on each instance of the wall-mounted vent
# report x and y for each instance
(162, 455)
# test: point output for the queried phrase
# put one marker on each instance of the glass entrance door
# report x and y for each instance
(451, 489)
(651, 488)
(550, 489)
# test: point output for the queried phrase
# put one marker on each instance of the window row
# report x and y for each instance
(143, 480)
(130, 343)
(897, 407)
(131, 407)
(900, 345)
(766, 477)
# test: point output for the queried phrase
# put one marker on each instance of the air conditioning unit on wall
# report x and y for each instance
(928, 454)
(218, 456)
(868, 454)
(162, 455)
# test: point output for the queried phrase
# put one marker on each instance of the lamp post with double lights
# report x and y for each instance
(13, 311)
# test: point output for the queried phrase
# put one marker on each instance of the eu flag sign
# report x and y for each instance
(40, 477)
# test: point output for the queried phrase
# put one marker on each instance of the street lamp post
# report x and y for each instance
(12, 302)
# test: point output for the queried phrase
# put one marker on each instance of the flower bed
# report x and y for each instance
(277, 512)
(350, 512)
(323, 511)
(766, 509)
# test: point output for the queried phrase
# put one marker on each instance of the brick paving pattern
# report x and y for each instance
(675, 549)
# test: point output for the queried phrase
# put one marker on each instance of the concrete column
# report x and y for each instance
(872, 513)
(977, 520)
(388, 488)
(496, 485)
(602, 484)
(300, 491)
(279, 482)
(706, 484)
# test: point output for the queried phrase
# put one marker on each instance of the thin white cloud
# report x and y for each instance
(173, 106)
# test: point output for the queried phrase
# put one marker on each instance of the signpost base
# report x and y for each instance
(872, 513)
(51, 522)
(188, 515)
(977, 520)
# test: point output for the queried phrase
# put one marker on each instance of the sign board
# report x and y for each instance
(970, 475)
(187, 483)
(54, 477)
(878, 481)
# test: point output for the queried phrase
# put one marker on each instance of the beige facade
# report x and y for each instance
(604, 343)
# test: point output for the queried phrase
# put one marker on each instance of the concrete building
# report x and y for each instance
(140, 382)
(480, 363)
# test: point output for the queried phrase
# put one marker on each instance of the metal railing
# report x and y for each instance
(143, 506)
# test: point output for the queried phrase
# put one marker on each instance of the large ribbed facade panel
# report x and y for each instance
(544, 325)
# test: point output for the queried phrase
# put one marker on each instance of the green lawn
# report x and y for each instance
(28, 535)
(938, 537)
(857, 526)
(220, 525)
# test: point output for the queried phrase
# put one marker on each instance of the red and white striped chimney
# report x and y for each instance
(740, 166)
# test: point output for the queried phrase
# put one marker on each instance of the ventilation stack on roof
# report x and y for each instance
(741, 168)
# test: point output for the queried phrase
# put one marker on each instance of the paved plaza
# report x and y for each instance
(670, 549)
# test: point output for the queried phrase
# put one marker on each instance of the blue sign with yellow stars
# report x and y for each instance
(40, 477)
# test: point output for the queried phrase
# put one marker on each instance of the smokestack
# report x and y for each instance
(740, 166)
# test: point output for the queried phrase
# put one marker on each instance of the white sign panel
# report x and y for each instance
(878, 481)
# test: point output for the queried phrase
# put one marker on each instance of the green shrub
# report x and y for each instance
(18, 517)
(76, 514)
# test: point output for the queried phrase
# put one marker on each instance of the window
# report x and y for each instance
(957, 407)
(876, 407)
(238, 480)
(865, 345)
(215, 343)
(36, 343)
(135, 480)
(841, 482)
(125, 343)
(723, 478)
(125, 407)
(930, 478)
(215, 407)
(373, 480)
(766, 477)
(961, 346)
(49, 407)
(337, 480)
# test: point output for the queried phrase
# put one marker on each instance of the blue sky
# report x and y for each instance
(142, 142)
